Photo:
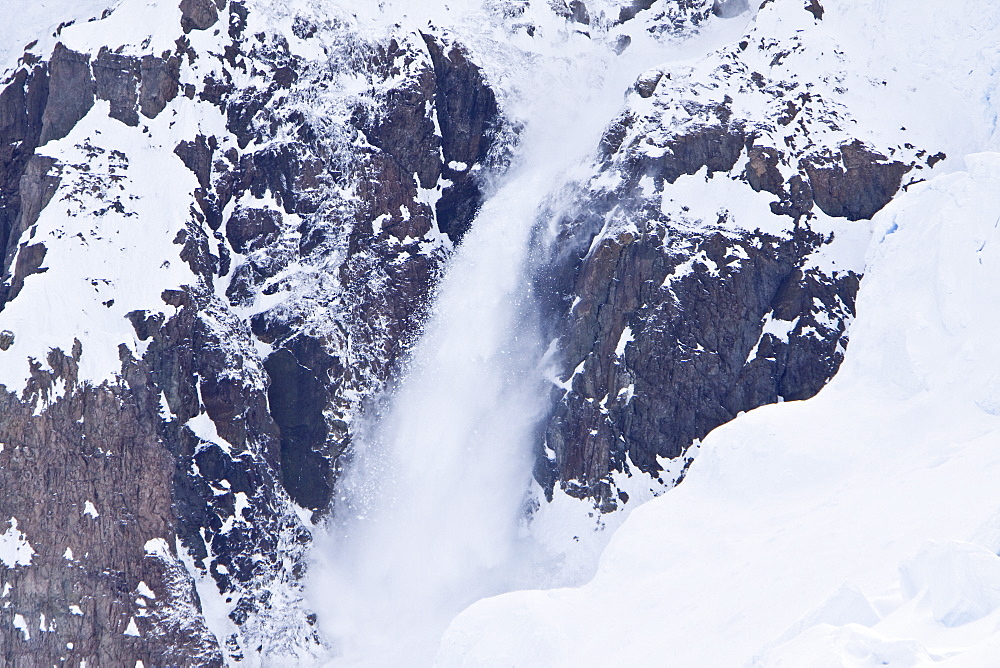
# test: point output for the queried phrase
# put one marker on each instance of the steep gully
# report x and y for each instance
(431, 510)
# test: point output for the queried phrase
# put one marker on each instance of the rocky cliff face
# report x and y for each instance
(178, 478)
(671, 321)
(262, 202)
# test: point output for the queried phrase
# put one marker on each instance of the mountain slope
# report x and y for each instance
(313, 288)
(782, 545)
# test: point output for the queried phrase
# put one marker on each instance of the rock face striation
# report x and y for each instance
(269, 200)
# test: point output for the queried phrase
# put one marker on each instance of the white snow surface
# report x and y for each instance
(28, 21)
(857, 528)
(15, 550)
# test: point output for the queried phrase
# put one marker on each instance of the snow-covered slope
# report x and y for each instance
(39, 22)
(858, 527)
(455, 286)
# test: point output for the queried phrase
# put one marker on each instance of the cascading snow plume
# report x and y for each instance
(433, 509)
(433, 497)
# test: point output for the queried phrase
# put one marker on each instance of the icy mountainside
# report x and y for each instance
(223, 228)
(856, 528)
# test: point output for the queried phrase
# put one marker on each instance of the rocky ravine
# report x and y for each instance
(162, 456)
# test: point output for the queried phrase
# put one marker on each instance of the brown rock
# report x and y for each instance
(117, 81)
(159, 84)
(855, 184)
(249, 229)
(198, 15)
(71, 93)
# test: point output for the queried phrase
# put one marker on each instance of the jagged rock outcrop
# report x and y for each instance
(71, 93)
(671, 321)
(310, 244)
(89, 481)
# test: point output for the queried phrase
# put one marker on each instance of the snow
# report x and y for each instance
(144, 590)
(90, 509)
(157, 547)
(15, 550)
(132, 629)
(625, 338)
(149, 23)
(22, 625)
(862, 523)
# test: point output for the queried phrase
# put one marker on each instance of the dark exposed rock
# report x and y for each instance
(797, 202)
(935, 159)
(29, 261)
(22, 105)
(71, 93)
(403, 128)
(249, 229)
(666, 328)
(198, 14)
(469, 118)
(688, 363)
(297, 400)
(572, 10)
(145, 324)
(646, 85)
(728, 9)
(303, 28)
(815, 8)
(117, 81)
(197, 156)
(389, 189)
(578, 12)
(192, 356)
(160, 82)
(615, 135)
(89, 482)
(628, 12)
(856, 183)
(38, 184)
(717, 148)
(292, 173)
(762, 170)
